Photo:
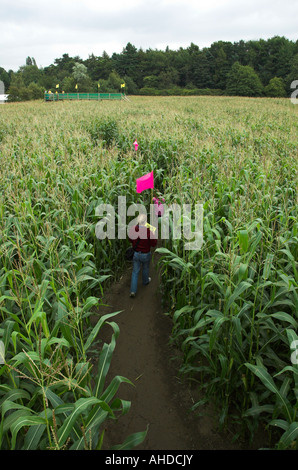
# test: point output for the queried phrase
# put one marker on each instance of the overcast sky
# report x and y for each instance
(47, 30)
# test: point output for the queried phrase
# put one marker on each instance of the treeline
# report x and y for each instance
(245, 68)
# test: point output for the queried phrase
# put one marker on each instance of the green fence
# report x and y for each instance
(83, 96)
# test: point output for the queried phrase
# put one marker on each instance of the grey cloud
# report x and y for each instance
(46, 31)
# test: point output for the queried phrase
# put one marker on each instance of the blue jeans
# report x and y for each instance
(140, 260)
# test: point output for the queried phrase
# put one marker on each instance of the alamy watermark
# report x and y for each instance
(294, 355)
(176, 222)
(294, 94)
(2, 92)
(2, 353)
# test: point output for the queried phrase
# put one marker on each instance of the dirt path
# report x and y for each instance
(143, 355)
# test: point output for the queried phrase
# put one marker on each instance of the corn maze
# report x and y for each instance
(233, 303)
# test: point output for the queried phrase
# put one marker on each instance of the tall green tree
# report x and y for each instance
(79, 72)
(114, 82)
(93, 65)
(126, 63)
(220, 64)
(275, 88)
(68, 84)
(81, 78)
(99, 68)
(181, 62)
(242, 80)
(202, 75)
(17, 90)
(36, 92)
(221, 69)
(279, 55)
(31, 74)
(65, 64)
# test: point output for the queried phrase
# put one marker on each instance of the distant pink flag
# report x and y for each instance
(145, 182)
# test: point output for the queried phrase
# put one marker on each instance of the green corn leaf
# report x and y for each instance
(22, 358)
(185, 309)
(215, 328)
(242, 287)
(62, 322)
(224, 365)
(9, 326)
(242, 272)
(131, 441)
(238, 329)
(90, 302)
(267, 380)
(21, 422)
(35, 433)
(60, 341)
(121, 405)
(289, 436)
(15, 335)
(215, 279)
(283, 316)
(92, 424)
(97, 327)
(293, 370)
(57, 403)
(39, 316)
(243, 241)
(288, 253)
(258, 409)
(254, 245)
(281, 423)
(110, 391)
(11, 405)
(33, 436)
(80, 407)
(64, 409)
(8, 421)
(268, 265)
(105, 361)
(100, 441)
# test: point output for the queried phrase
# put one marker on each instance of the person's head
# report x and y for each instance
(142, 219)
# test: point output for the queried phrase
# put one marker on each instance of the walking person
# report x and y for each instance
(142, 255)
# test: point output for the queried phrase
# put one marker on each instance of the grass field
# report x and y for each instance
(234, 303)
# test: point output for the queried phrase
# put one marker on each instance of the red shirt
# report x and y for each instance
(147, 239)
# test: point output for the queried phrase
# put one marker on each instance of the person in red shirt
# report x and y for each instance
(142, 245)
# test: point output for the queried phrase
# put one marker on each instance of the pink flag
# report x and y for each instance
(136, 145)
(145, 182)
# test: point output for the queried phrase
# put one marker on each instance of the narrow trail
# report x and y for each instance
(142, 354)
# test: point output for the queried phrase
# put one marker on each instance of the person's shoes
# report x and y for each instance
(132, 294)
(149, 280)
